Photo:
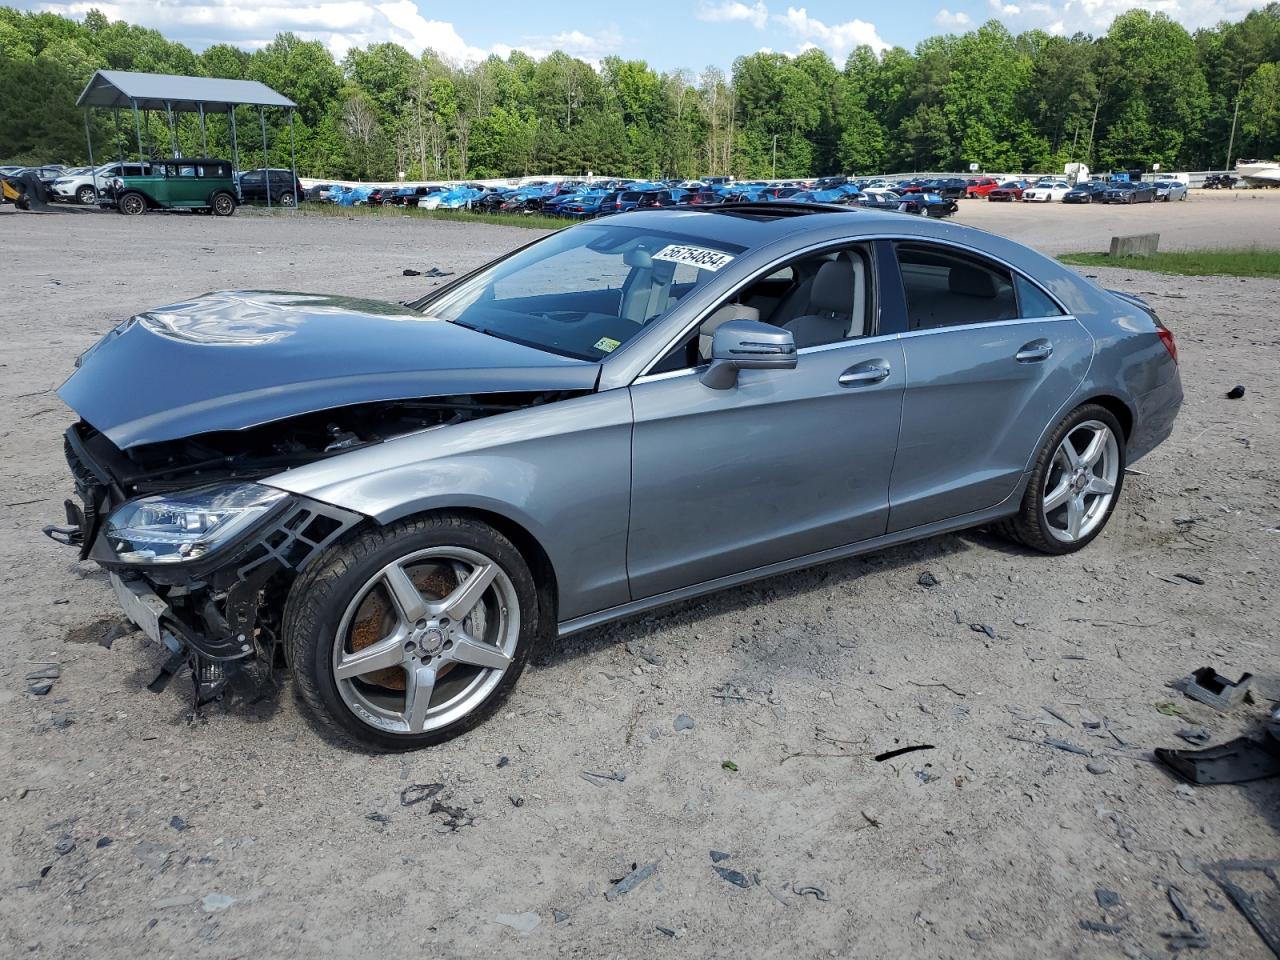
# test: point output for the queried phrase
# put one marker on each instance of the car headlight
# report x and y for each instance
(178, 527)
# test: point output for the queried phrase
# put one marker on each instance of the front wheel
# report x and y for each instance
(224, 205)
(408, 635)
(86, 195)
(1074, 484)
(133, 205)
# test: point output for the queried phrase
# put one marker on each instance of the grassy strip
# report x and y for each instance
(534, 220)
(1250, 262)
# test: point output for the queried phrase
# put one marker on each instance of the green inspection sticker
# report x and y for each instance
(608, 344)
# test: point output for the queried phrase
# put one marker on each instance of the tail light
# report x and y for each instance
(1166, 337)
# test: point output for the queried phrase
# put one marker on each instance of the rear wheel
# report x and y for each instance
(224, 205)
(1074, 484)
(408, 635)
(86, 195)
(133, 204)
(287, 199)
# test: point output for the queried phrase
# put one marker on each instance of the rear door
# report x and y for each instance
(991, 361)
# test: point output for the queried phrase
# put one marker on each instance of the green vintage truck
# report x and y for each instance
(203, 184)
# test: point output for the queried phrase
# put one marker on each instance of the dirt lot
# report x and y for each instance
(987, 845)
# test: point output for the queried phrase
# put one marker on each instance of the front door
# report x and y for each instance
(785, 464)
(991, 360)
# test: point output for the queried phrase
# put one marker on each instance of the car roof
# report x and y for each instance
(757, 224)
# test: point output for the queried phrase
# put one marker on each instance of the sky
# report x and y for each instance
(667, 33)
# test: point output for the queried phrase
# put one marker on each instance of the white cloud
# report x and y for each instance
(731, 11)
(1095, 16)
(339, 24)
(837, 39)
(951, 21)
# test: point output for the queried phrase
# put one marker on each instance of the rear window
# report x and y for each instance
(947, 288)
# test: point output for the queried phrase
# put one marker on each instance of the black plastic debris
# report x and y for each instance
(417, 792)
(436, 272)
(1106, 898)
(808, 890)
(559, 916)
(1196, 735)
(1211, 688)
(1191, 578)
(64, 846)
(1261, 907)
(598, 779)
(121, 628)
(1236, 392)
(40, 688)
(104, 842)
(1194, 939)
(719, 856)
(178, 824)
(1237, 761)
(412, 273)
(983, 628)
(736, 877)
(890, 754)
(927, 579)
(378, 817)
(502, 762)
(45, 673)
(455, 817)
(637, 876)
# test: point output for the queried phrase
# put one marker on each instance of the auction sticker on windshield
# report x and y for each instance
(699, 257)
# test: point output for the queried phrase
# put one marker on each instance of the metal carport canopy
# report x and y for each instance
(162, 91)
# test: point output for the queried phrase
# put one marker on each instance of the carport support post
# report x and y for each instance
(137, 126)
(88, 139)
(266, 162)
(293, 164)
(173, 133)
(235, 146)
(119, 137)
(204, 137)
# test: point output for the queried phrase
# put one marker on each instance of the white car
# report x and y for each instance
(1047, 191)
(80, 187)
(1167, 190)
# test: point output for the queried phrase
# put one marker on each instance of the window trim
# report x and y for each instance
(801, 254)
(645, 376)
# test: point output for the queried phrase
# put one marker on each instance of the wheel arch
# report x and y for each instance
(1117, 407)
(529, 546)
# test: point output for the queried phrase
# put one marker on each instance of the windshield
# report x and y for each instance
(584, 292)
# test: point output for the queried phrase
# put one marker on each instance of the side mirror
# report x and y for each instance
(747, 345)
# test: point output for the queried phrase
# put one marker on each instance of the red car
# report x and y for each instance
(1008, 191)
(981, 186)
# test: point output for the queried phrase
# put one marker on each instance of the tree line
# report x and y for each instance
(1148, 91)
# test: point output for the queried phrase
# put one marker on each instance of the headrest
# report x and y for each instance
(731, 311)
(832, 290)
(972, 282)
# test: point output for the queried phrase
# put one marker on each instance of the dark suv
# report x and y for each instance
(285, 189)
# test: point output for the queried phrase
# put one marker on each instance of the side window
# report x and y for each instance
(1034, 302)
(187, 171)
(170, 170)
(947, 288)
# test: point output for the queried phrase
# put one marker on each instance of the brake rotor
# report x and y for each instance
(375, 619)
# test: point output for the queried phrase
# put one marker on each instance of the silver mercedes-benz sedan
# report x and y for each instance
(399, 502)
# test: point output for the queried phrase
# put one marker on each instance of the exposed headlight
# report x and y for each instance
(177, 527)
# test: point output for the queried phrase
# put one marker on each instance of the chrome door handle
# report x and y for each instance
(872, 371)
(1034, 352)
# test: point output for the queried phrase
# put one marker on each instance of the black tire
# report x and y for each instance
(319, 599)
(1029, 526)
(86, 195)
(286, 199)
(132, 204)
(224, 205)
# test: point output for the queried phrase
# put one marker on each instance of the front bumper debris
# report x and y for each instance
(214, 614)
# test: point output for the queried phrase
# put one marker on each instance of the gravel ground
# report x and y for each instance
(988, 845)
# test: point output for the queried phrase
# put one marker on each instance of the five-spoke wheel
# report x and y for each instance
(1074, 483)
(407, 635)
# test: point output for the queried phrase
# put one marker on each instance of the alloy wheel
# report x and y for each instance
(1081, 481)
(86, 195)
(426, 640)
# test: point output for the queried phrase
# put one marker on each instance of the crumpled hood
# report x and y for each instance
(232, 360)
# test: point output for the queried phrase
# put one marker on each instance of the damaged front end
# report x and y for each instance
(202, 553)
